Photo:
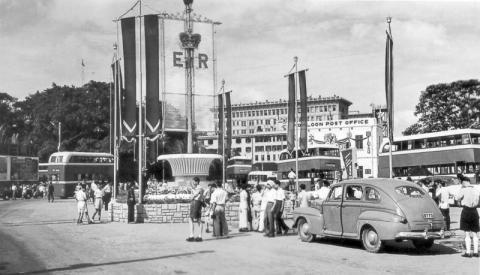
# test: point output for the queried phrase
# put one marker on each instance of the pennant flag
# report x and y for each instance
(153, 108)
(291, 113)
(129, 101)
(389, 82)
(220, 124)
(303, 110)
(228, 106)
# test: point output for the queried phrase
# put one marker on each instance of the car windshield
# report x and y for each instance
(410, 191)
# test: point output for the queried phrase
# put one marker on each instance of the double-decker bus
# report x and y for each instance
(238, 168)
(445, 153)
(317, 160)
(261, 172)
(66, 169)
(18, 170)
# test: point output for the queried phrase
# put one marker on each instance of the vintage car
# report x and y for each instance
(373, 211)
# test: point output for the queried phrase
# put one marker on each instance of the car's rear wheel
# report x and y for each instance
(422, 245)
(371, 241)
(304, 231)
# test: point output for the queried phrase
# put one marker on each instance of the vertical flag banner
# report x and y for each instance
(303, 110)
(389, 82)
(129, 101)
(153, 109)
(228, 105)
(220, 124)
(291, 113)
(117, 95)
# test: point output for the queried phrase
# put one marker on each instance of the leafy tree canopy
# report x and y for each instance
(443, 107)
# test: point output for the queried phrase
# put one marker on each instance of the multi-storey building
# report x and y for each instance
(259, 130)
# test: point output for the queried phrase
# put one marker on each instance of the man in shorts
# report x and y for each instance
(196, 211)
(469, 199)
(81, 198)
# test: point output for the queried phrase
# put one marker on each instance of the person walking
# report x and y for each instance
(98, 193)
(442, 195)
(256, 208)
(131, 203)
(269, 221)
(469, 199)
(218, 201)
(243, 209)
(50, 191)
(278, 209)
(263, 207)
(196, 211)
(81, 198)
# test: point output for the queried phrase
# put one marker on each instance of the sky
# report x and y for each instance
(341, 43)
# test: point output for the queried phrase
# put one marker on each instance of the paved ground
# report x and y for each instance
(38, 237)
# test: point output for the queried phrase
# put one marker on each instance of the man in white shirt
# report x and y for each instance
(469, 221)
(443, 195)
(291, 178)
(303, 196)
(270, 197)
(218, 200)
(278, 208)
(324, 190)
(81, 198)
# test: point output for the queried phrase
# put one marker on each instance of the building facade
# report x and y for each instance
(259, 130)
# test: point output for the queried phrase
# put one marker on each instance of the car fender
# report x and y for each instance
(386, 224)
(312, 215)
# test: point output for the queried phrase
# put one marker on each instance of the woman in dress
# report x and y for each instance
(243, 209)
(256, 207)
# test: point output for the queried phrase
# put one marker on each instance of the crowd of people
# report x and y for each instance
(26, 191)
(99, 194)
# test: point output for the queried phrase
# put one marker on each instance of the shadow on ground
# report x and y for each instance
(88, 265)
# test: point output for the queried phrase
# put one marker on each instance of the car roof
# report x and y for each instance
(381, 183)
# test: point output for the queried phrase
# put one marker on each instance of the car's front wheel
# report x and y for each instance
(422, 245)
(371, 241)
(304, 231)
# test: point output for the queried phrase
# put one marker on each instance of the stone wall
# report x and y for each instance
(174, 213)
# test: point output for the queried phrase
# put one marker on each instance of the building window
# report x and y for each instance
(244, 132)
(249, 113)
(256, 157)
(334, 107)
(248, 140)
(210, 141)
(359, 141)
(238, 140)
(268, 157)
(244, 123)
(263, 158)
(248, 149)
(325, 108)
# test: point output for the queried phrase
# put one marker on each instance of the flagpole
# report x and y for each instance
(390, 132)
(140, 117)
(295, 59)
(115, 99)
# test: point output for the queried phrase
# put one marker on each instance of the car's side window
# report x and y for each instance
(371, 194)
(336, 193)
(353, 192)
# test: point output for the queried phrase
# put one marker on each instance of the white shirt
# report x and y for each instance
(80, 195)
(292, 175)
(263, 205)
(279, 194)
(443, 195)
(219, 196)
(270, 195)
(243, 200)
(323, 192)
(303, 198)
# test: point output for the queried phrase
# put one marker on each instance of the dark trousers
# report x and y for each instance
(269, 220)
(446, 216)
(106, 200)
(131, 212)
(277, 213)
(50, 196)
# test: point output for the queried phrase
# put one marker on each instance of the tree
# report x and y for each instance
(443, 107)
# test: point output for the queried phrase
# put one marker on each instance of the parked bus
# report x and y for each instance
(43, 172)
(237, 169)
(445, 153)
(18, 170)
(261, 177)
(317, 160)
(66, 169)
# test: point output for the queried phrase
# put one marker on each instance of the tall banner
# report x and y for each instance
(129, 100)
(153, 116)
(389, 82)
(291, 113)
(220, 124)
(228, 105)
(115, 104)
(303, 110)
(347, 156)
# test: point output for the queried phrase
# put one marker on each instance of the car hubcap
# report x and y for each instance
(305, 229)
(372, 237)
